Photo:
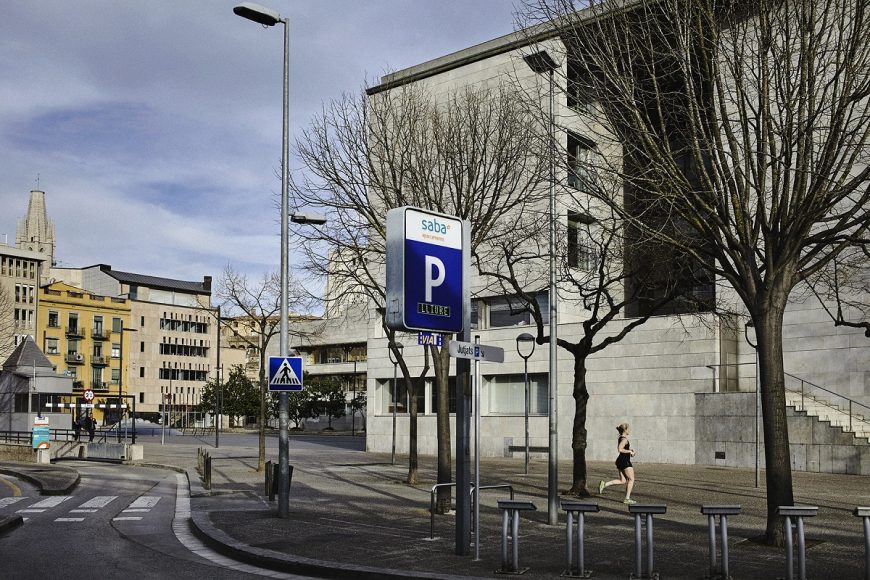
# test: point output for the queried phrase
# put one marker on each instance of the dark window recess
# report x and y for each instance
(141, 372)
(142, 346)
(451, 396)
(580, 175)
(720, 455)
(582, 249)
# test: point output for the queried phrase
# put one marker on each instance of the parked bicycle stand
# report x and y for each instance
(647, 510)
(576, 509)
(511, 519)
(864, 512)
(799, 513)
(723, 511)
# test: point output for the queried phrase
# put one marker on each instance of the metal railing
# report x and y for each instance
(850, 406)
(437, 486)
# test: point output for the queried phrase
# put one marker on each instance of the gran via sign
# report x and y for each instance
(427, 270)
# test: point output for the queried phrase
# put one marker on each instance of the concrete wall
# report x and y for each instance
(15, 452)
(725, 423)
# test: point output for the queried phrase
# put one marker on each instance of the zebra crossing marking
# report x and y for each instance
(99, 501)
(69, 519)
(127, 518)
(7, 501)
(145, 501)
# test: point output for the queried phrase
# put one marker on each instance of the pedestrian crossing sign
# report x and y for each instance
(285, 373)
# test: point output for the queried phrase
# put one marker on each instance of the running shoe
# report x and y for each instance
(600, 487)
(628, 501)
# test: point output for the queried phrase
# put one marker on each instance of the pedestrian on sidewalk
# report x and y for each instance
(77, 428)
(623, 465)
(91, 425)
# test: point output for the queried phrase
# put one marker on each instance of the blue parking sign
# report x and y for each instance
(427, 270)
(285, 373)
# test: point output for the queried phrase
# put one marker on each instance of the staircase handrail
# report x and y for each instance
(851, 401)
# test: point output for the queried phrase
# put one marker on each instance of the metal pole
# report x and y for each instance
(217, 430)
(163, 398)
(477, 456)
(526, 374)
(395, 404)
(353, 403)
(723, 523)
(757, 395)
(711, 525)
(120, 380)
(553, 463)
(283, 397)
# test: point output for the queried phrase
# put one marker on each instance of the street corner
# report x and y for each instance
(8, 523)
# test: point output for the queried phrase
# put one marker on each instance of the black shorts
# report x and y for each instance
(623, 461)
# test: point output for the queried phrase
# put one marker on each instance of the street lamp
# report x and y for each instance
(347, 350)
(269, 17)
(121, 375)
(541, 62)
(750, 324)
(528, 342)
(398, 346)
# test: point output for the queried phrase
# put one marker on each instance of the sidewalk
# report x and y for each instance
(351, 509)
(352, 516)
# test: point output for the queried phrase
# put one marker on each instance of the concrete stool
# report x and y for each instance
(647, 510)
(864, 512)
(799, 513)
(511, 519)
(578, 509)
(723, 511)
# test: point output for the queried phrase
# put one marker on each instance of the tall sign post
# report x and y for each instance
(428, 272)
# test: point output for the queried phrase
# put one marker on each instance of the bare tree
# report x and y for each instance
(469, 153)
(747, 125)
(7, 324)
(258, 303)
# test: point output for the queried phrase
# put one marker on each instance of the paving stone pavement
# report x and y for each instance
(352, 515)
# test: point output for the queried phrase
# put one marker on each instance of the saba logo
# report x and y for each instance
(435, 226)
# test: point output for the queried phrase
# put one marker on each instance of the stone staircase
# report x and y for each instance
(815, 405)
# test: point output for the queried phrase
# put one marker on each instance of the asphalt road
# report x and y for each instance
(120, 522)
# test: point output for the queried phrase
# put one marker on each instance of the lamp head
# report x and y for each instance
(540, 62)
(257, 13)
(528, 341)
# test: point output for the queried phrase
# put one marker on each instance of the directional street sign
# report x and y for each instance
(473, 351)
(430, 338)
(427, 270)
(285, 373)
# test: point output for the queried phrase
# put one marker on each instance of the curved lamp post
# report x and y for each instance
(121, 375)
(393, 359)
(528, 343)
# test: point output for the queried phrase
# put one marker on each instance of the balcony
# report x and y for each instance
(100, 334)
(99, 386)
(75, 358)
(78, 385)
(75, 332)
(99, 361)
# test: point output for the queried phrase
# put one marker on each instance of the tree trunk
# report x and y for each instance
(412, 478)
(777, 455)
(441, 361)
(579, 433)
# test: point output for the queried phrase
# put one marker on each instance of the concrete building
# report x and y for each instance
(685, 383)
(173, 335)
(20, 272)
(81, 336)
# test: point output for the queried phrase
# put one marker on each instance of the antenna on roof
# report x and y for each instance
(37, 182)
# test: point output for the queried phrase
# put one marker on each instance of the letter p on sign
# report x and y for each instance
(433, 280)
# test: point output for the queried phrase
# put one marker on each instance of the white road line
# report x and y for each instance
(126, 518)
(7, 501)
(99, 501)
(81, 511)
(69, 519)
(136, 511)
(29, 511)
(51, 501)
(146, 501)
(181, 527)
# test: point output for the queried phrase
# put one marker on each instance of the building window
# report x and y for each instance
(116, 376)
(386, 389)
(141, 372)
(142, 346)
(116, 325)
(116, 350)
(53, 319)
(511, 311)
(51, 346)
(583, 249)
(451, 396)
(506, 394)
(579, 162)
(98, 324)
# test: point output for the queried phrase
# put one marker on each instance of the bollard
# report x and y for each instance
(723, 511)
(864, 512)
(646, 510)
(270, 482)
(511, 519)
(799, 513)
(579, 509)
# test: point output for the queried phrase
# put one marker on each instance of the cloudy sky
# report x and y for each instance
(154, 128)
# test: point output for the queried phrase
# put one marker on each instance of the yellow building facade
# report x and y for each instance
(80, 333)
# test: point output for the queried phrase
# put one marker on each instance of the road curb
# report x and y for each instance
(39, 483)
(221, 542)
(9, 522)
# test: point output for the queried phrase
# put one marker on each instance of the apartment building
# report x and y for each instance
(173, 335)
(80, 334)
(20, 271)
